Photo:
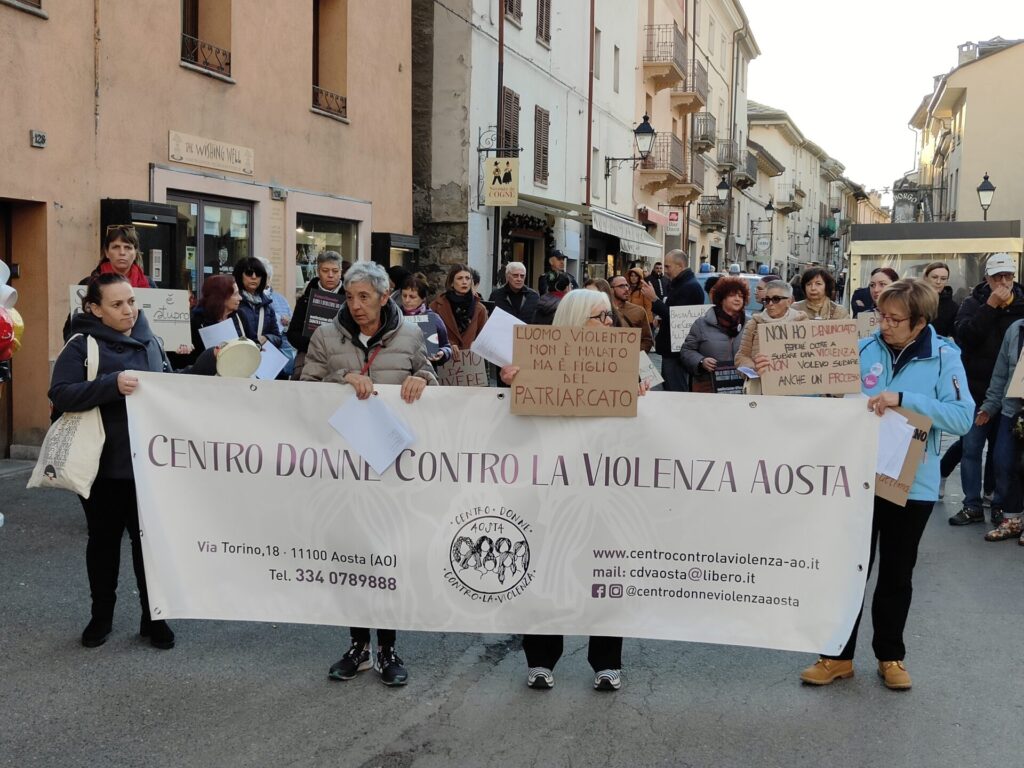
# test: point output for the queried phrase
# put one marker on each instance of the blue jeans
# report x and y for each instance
(1007, 492)
(970, 462)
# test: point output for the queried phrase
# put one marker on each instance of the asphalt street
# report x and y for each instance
(244, 694)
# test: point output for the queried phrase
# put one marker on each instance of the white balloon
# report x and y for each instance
(8, 296)
(5, 273)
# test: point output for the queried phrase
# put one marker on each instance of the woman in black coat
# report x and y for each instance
(936, 275)
(125, 343)
(256, 311)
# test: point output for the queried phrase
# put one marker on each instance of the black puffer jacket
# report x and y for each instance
(979, 333)
(69, 390)
(945, 320)
(684, 290)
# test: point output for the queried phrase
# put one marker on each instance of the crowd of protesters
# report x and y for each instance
(952, 363)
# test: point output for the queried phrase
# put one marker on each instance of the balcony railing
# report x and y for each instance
(205, 55)
(746, 173)
(698, 168)
(691, 93)
(328, 101)
(712, 213)
(666, 155)
(698, 81)
(664, 55)
(704, 131)
(788, 198)
(33, 3)
(728, 154)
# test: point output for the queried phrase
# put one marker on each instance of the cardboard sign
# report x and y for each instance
(1016, 386)
(897, 491)
(813, 357)
(867, 322)
(680, 321)
(575, 371)
(465, 369)
(322, 308)
(426, 325)
(167, 311)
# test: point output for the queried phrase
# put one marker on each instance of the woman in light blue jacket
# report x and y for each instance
(1007, 499)
(904, 363)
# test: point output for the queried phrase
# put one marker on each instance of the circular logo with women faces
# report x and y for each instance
(490, 555)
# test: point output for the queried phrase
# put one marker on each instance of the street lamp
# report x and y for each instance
(986, 191)
(644, 135)
(769, 219)
(723, 189)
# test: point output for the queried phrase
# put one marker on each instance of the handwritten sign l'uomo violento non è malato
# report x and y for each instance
(813, 357)
(575, 371)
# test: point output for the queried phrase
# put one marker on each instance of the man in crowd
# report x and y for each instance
(556, 267)
(548, 304)
(683, 290)
(981, 323)
(515, 296)
(632, 315)
(658, 280)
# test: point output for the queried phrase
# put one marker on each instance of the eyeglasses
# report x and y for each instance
(126, 229)
(251, 273)
(774, 299)
(603, 315)
(1002, 277)
(893, 321)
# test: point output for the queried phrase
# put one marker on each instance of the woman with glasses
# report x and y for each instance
(778, 308)
(819, 287)
(903, 363)
(256, 310)
(714, 339)
(578, 309)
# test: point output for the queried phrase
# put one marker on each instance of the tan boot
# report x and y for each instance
(825, 671)
(894, 675)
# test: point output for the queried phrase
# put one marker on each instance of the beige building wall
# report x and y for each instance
(106, 83)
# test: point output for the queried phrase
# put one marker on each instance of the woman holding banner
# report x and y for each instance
(578, 309)
(463, 314)
(121, 341)
(714, 339)
(903, 363)
(369, 343)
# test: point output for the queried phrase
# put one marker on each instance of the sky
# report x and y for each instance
(851, 74)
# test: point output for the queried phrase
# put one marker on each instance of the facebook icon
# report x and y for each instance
(597, 590)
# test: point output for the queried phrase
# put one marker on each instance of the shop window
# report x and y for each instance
(206, 35)
(544, 21)
(330, 57)
(316, 234)
(541, 126)
(509, 123)
(213, 235)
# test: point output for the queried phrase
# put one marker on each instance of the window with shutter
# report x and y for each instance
(509, 123)
(544, 21)
(514, 9)
(541, 124)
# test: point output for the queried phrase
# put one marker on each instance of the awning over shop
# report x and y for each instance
(557, 208)
(633, 238)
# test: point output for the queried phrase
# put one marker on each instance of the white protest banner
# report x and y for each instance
(497, 523)
(465, 369)
(680, 321)
(167, 311)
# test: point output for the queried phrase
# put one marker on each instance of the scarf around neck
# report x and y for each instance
(728, 323)
(135, 275)
(462, 307)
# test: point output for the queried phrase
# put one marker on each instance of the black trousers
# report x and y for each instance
(546, 650)
(895, 535)
(384, 636)
(110, 509)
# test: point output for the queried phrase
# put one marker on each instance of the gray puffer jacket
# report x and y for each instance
(706, 339)
(335, 350)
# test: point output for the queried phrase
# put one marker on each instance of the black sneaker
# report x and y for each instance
(159, 633)
(355, 660)
(996, 516)
(390, 667)
(967, 516)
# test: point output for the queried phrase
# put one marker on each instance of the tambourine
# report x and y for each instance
(238, 359)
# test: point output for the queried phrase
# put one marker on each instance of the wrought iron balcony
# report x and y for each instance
(664, 166)
(745, 174)
(664, 55)
(704, 132)
(689, 188)
(328, 101)
(712, 212)
(728, 155)
(789, 198)
(205, 55)
(691, 95)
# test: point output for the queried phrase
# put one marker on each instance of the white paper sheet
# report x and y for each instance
(894, 436)
(494, 343)
(648, 372)
(373, 430)
(215, 335)
(272, 361)
(750, 373)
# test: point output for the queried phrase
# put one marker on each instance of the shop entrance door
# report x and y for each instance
(214, 233)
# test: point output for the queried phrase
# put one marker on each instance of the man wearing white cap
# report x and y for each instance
(981, 323)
